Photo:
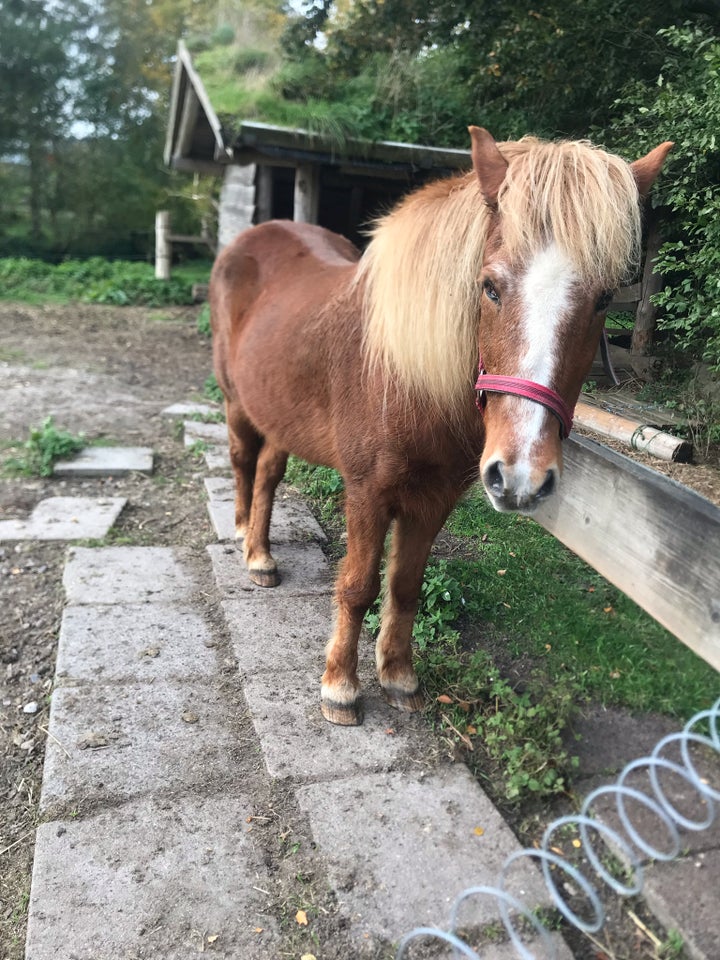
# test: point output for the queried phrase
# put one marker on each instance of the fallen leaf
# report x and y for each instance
(301, 918)
(190, 717)
(470, 729)
(607, 609)
(258, 930)
(444, 698)
(464, 706)
(213, 937)
(548, 646)
(390, 732)
(614, 674)
(558, 850)
(308, 956)
(478, 831)
(501, 573)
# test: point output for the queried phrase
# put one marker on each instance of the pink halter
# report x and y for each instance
(488, 383)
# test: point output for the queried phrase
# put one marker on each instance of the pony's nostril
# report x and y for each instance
(494, 478)
(548, 488)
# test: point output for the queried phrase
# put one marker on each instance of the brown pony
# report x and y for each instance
(368, 364)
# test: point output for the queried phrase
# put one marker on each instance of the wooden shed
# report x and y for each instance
(269, 171)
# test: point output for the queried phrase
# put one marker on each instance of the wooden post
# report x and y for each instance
(642, 336)
(307, 193)
(163, 245)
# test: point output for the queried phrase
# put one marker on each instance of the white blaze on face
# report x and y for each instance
(546, 295)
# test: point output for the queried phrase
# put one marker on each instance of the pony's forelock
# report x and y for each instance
(420, 271)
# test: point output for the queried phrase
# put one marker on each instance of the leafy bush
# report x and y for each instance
(248, 58)
(223, 36)
(95, 280)
(683, 106)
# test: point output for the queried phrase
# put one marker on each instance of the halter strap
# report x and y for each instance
(489, 383)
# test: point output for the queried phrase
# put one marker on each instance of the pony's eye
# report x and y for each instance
(490, 291)
(604, 301)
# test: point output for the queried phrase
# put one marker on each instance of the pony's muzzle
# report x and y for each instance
(514, 488)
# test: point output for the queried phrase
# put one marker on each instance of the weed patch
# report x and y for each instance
(45, 445)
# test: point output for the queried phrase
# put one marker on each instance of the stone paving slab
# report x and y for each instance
(412, 847)
(133, 739)
(684, 895)
(66, 518)
(269, 633)
(188, 409)
(298, 742)
(195, 430)
(151, 641)
(304, 570)
(125, 575)
(291, 519)
(217, 458)
(155, 878)
(106, 462)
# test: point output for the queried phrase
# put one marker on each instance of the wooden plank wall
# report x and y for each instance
(653, 538)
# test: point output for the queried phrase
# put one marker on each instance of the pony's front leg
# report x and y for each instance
(412, 539)
(357, 586)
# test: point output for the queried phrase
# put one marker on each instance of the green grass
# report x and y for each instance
(557, 609)
(96, 280)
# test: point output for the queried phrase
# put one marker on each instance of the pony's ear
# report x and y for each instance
(489, 164)
(647, 168)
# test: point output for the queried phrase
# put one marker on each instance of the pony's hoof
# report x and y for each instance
(402, 700)
(264, 578)
(343, 714)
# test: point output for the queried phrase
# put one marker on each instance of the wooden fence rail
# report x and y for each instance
(653, 538)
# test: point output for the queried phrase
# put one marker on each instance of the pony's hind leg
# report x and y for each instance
(357, 586)
(412, 539)
(245, 443)
(269, 471)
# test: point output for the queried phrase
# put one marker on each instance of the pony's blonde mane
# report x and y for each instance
(419, 273)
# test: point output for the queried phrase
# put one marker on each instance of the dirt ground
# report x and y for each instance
(107, 372)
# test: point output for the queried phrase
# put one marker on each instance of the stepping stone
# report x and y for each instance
(66, 518)
(188, 409)
(304, 571)
(125, 575)
(217, 458)
(291, 519)
(106, 462)
(210, 433)
(168, 876)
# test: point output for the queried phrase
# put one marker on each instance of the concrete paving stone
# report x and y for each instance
(189, 408)
(133, 739)
(151, 641)
(400, 847)
(684, 895)
(106, 462)
(291, 518)
(298, 742)
(304, 570)
(66, 518)
(217, 458)
(125, 575)
(271, 634)
(161, 877)
(195, 430)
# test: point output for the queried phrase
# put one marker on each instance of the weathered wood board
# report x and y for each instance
(653, 538)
